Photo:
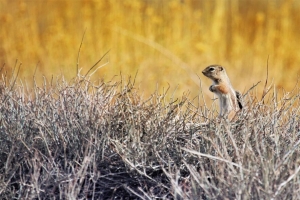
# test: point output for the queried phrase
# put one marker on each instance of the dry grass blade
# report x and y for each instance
(77, 65)
(214, 158)
(266, 90)
(95, 64)
(284, 184)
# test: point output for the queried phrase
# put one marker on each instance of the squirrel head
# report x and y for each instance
(214, 72)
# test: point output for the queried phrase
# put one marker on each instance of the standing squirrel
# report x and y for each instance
(230, 100)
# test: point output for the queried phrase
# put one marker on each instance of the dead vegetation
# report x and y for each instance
(87, 140)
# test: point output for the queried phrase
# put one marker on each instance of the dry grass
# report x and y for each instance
(86, 140)
(166, 41)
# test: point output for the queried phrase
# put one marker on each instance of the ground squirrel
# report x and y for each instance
(230, 100)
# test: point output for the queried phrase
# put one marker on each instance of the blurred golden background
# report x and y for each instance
(169, 42)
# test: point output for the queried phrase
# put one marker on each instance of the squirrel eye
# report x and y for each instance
(211, 69)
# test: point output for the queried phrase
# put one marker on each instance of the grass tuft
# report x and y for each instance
(86, 140)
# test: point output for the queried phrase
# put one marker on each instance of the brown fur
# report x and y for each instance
(230, 101)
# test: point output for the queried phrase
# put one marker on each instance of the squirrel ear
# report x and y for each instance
(221, 68)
